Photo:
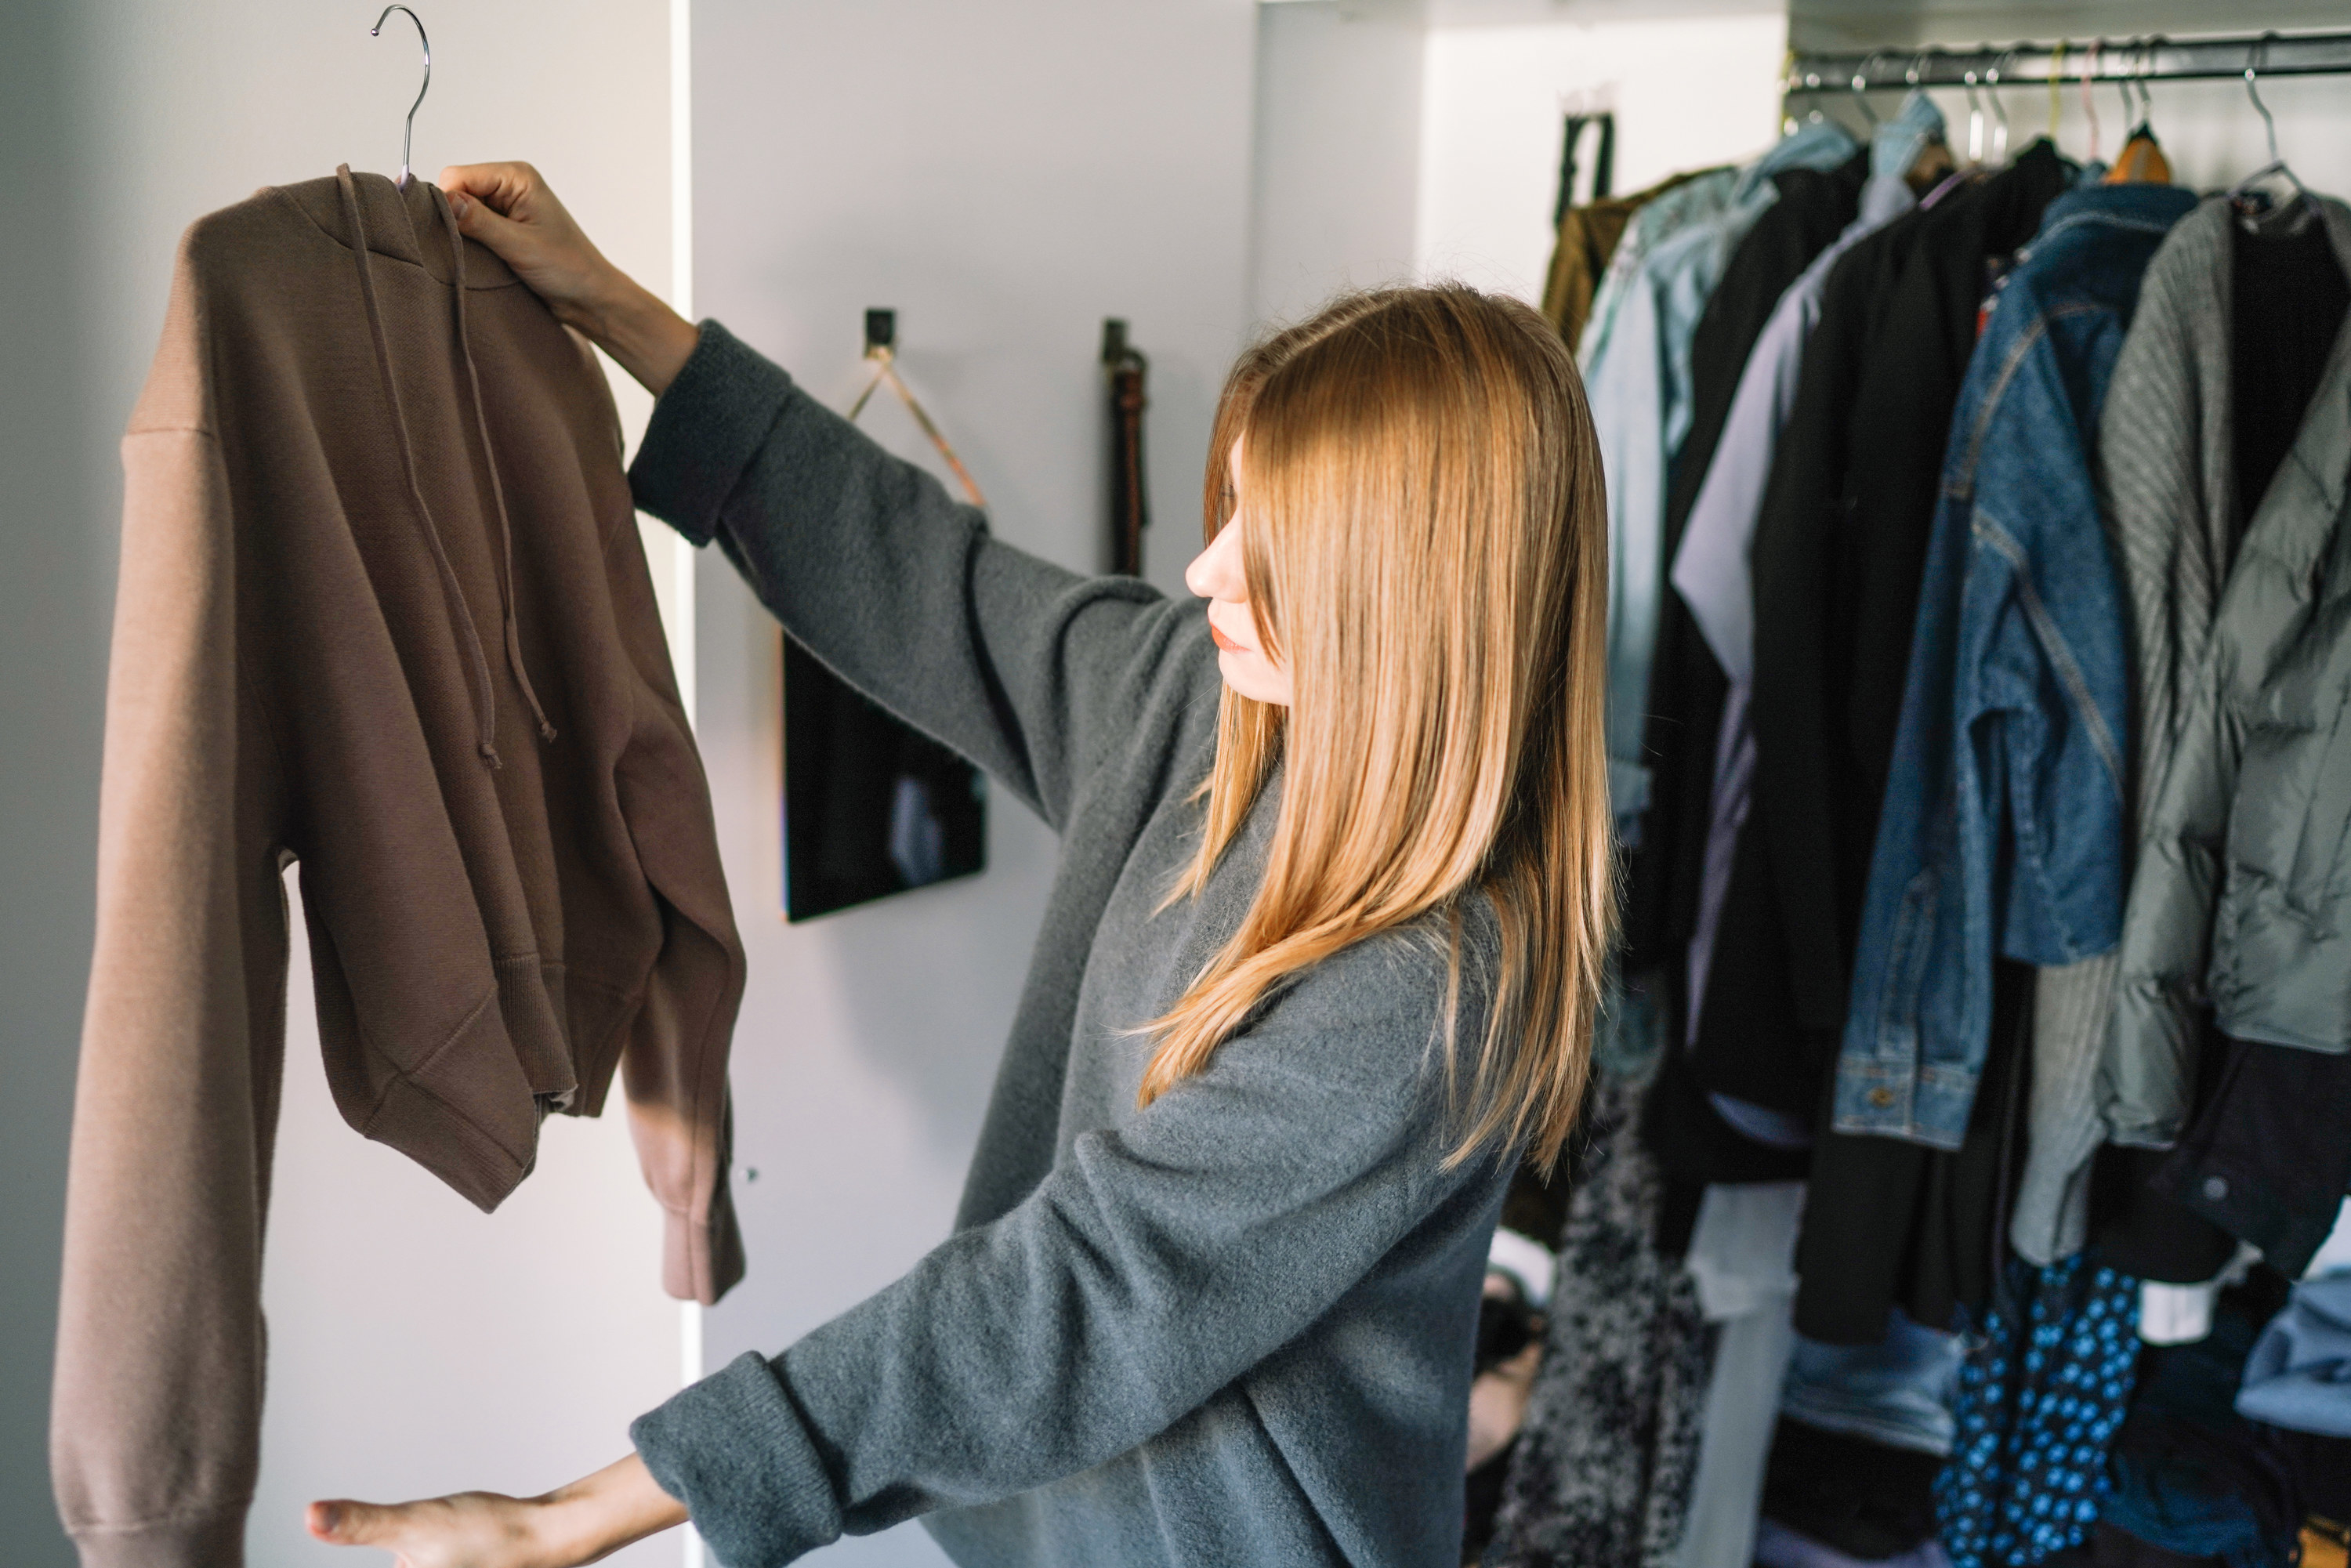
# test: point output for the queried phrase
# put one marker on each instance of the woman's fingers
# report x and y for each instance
(345, 1523)
(470, 1530)
(504, 187)
(507, 207)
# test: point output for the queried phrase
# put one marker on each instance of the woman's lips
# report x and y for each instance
(1227, 643)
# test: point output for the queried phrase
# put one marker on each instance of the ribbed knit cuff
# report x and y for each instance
(217, 1542)
(704, 431)
(734, 1449)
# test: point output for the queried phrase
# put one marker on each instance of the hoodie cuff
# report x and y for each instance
(704, 431)
(217, 1543)
(733, 1448)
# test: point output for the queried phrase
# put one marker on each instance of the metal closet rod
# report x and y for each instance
(2144, 58)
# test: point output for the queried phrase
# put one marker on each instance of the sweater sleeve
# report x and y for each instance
(1155, 1264)
(155, 1420)
(1030, 671)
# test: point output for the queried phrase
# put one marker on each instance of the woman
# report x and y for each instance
(1321, 963)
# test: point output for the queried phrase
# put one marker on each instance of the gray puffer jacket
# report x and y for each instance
(2242, 890)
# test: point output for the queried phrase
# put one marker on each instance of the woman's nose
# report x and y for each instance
(1216, 571)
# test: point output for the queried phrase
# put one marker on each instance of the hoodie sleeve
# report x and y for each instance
(1033, 672)
(156, 1412)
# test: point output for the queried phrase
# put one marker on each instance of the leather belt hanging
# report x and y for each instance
(1130, 505)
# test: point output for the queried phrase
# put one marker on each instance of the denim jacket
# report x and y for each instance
(2003, 826)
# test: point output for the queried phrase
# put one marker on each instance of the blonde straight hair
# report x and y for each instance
(1426, 551)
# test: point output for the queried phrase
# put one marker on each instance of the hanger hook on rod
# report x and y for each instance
(1999, 110)
(1860, 92)
(1975, 116)
(408, 133)
(2260, 51)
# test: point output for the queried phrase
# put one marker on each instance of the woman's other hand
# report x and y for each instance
(579, 1523)
(507, 207)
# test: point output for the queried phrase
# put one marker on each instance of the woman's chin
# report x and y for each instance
(1247, 674)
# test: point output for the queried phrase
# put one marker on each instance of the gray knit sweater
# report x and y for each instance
(1233, 1328)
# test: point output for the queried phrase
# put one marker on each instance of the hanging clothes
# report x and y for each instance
(383, 614)
(1703, 195)
(2266, 1159)
(1813, 207)
(1602, 1472)
(2190, 1476)
(2261, 683)
(1837, 557)
(2041, 1397)
(1839, 546)
(1742, 1259)
(2003, 821)
(1641, 407)
(2220, 322)
(1710, 577)
(1589, 236)
(1684, 690)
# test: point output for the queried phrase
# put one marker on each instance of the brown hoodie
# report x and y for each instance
(383, 612)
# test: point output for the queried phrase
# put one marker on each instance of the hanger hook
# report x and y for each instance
(408, 133)
(1975, 115)
(2090, 104)
(1860, 78)
(2261, 51)
(1999, 110)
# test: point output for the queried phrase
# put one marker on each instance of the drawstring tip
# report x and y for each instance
(490, 756)
(546, 730)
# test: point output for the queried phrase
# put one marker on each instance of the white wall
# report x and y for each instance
(416, 1345)
(1335, 170)
(1687, 91)
(1003, 176)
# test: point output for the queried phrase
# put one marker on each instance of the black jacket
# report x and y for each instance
(1838, 552)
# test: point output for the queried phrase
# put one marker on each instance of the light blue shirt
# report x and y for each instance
(1641, 401)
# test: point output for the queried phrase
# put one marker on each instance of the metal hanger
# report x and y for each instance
(2090, 104)
(2056, 85)
(1934, 160)
(1999, 110)
(2139, 159)
(2147, 49)
(2243, 189)
(1860, 91)
(1975, 117)
(408, 133)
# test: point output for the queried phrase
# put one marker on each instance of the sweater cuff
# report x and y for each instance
(705, 430)
(734, 1449)
(217, 1542)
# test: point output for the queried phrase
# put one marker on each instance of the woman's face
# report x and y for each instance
(1216, 575)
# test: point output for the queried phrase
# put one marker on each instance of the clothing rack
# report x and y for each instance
(2147, 58)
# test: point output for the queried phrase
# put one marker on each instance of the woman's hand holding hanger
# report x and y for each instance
(507, 207)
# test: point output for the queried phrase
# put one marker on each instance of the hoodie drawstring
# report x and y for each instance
(498, 489)
(486, 698)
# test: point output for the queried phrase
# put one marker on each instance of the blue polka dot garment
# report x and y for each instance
(2042, 1395)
